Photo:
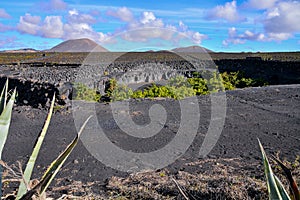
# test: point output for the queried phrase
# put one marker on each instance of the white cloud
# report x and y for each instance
(123, 14)
(182, 26)
(77, 26)
(279, 36)
(76, 17)
(147, 17)
(80, 25)
(235, 38)
(280, 22)
(47, 29)
(29, 24)
(148, 27)
(227, 12)
(283, 18)
(197, 37)
(261, 4)
(73, 12)
(4, 14)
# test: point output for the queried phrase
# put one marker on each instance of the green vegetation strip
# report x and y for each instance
(177, 88)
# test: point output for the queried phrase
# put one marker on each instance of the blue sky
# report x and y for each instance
(119, 25)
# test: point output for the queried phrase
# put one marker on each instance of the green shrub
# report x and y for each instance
(199, 85)
(181, 92)
(83, 92)
(111, 85)
(180, 87)
(120, 92)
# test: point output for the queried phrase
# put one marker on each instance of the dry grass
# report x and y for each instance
(214, 179)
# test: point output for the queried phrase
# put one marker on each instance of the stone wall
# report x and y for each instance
(36, 84)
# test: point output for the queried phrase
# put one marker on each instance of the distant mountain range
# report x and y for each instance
(25, 50)
(87, 45)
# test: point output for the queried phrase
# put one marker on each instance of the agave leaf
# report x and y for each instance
(283, 192)
(5, 119)
(54, 167)
(273, 189)
(3, 97)
(288, 174)
(31, 162)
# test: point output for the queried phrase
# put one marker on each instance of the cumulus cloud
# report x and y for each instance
(279, 21)
(54, 5)
(278, 36)
(145, 28)
(47, 29)
(76, 17)
(148, 26)
(147, 17)
(283, 18)
(29, 24)
(259, 4)
(227, 12)
(76, 25)
(79, 25)
(123, 14)
(182, 26)
(4, 14)
(235, 38)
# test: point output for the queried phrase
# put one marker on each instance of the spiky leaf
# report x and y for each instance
(275, 188)
(54, 168)
(281, 189)
(5, 119)
(3, 96)
(31, 162)
(288, 174)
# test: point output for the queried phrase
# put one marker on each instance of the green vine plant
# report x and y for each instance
(178, 87)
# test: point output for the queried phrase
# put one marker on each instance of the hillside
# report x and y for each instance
(78, 45)
(192, 49)
(25, 50)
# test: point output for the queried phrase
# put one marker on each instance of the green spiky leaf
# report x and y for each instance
(3, 97)
(288, 174)
(5, 119)
(281, 189)
(54, 168)
(275, 187)
(31, 162)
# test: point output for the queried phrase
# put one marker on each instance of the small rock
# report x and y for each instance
(75, 161)
(25, 101)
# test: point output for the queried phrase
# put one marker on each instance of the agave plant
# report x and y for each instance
(276, 189)
(24, 191)
(5, 118)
